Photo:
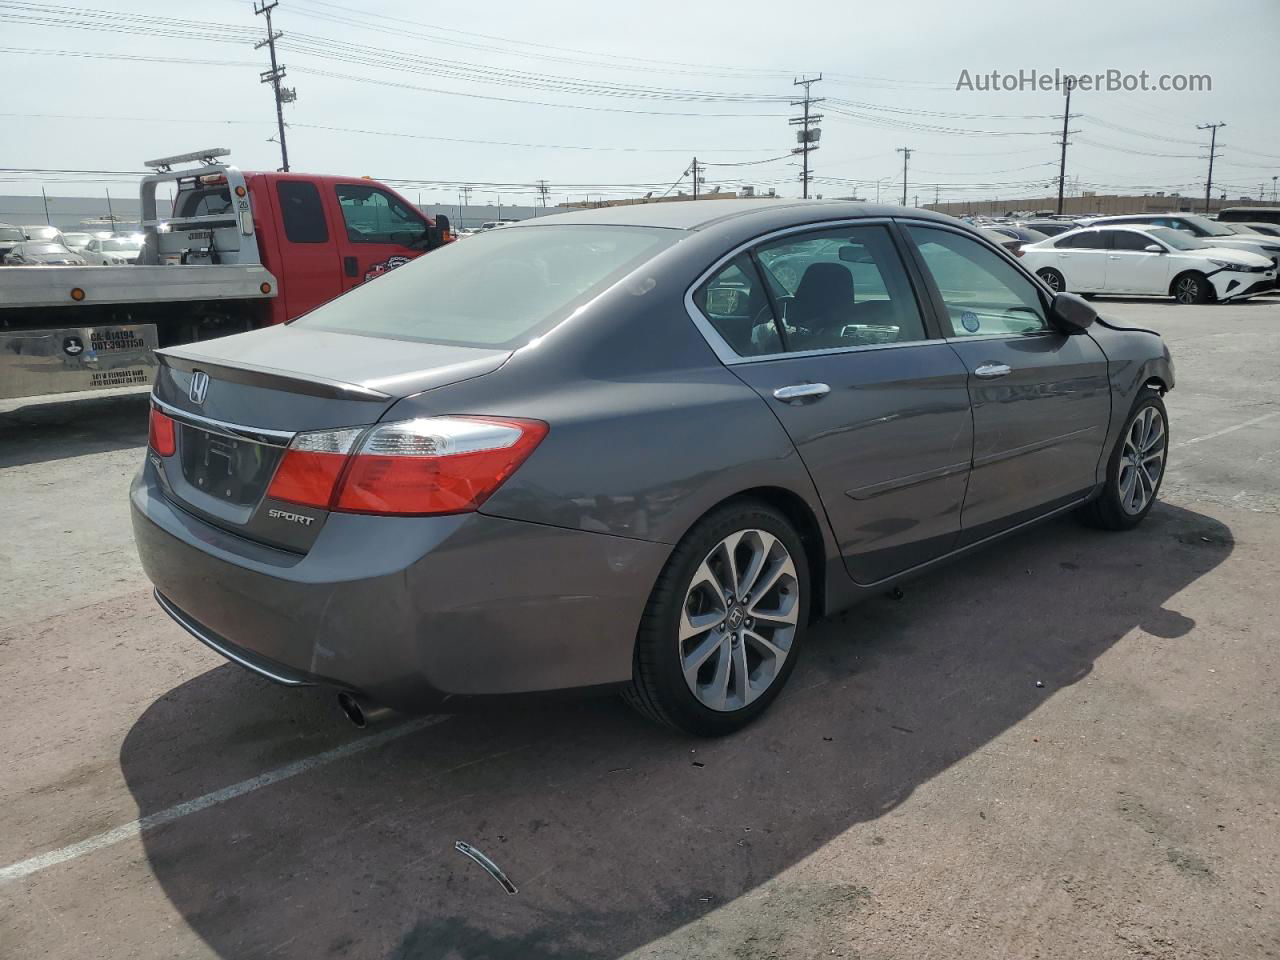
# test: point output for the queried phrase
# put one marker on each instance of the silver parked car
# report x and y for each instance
(637, 448)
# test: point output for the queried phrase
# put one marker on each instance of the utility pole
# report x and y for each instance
(466, 201)
(273, 76)
(808, 135)
(542, 194)
(937, 194)
(1062, 164)
(111, 214)
(1213, 143)
(45, 198)
(1273, 187)
(697, 172)
(906, 155)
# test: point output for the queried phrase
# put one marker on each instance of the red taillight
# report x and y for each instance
(160, 434)
(434, 465)
(312, 466)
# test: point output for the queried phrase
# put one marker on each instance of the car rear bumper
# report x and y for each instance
(413, 612)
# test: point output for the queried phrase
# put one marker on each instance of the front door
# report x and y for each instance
(381, 232)
(878, 411)
(1041, 399)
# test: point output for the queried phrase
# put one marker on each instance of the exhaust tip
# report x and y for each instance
(361, 711)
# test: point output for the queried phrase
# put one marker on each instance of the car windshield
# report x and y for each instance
(503, 288)
(1208, 226)
(44, 249)
(1177, 239)
(78, 239)
(11, 233)
(42, 233)
(122, 243)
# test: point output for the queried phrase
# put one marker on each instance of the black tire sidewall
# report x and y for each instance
(1202, 287)
(1113, 512)
(1044, 272)
(662, 628)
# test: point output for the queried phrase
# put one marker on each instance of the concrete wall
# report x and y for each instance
(1102, 204)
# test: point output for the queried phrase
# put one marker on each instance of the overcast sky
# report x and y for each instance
(645, 87)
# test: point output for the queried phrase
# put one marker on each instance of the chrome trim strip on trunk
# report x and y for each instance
(271, 438)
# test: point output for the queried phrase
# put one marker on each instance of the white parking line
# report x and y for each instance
(1226, 430)
(133, 828)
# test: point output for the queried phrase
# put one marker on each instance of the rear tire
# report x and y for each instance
(1191, 287)
(1053, 279)
(724, 623)
(1135, 468)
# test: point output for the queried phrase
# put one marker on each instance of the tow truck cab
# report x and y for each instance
(319, 235)
(240, 250)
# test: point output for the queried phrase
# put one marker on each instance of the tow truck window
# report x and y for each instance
(203, 202)
(374, 216)
(302, 213)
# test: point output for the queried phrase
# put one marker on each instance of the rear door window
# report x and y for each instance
(302, 212)
(1128, 240)
(737, 305)
(843, 287)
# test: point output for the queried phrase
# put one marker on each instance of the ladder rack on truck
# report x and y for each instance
(240, 250)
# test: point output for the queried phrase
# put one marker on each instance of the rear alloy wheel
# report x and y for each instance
(1053, 279)
(721, 632)
(1191, 288)
(1135, 469)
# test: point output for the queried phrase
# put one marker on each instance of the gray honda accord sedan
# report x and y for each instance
(639, 448)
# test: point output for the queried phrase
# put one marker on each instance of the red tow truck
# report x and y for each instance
(241, 250)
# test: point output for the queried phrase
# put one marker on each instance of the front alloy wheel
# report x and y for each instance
(1141, 461)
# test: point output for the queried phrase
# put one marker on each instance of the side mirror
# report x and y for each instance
(1153, 248)
(1071, 314)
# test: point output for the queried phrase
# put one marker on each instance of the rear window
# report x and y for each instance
(501, 288)
(301, 211)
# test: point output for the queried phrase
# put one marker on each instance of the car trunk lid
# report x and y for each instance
(237, 403)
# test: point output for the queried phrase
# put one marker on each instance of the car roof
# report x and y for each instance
(700, 214)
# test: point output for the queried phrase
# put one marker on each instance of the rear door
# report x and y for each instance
(1082, 261)
(878, 411)
(1041, 399)
(309, 267)
(1131, 268)
(379, 231)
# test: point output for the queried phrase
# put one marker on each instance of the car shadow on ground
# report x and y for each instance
(38, 433)
(616, 832)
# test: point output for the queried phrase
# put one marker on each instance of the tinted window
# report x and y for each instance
(1128, 240)
(984, 294)
(374, 216)
(1088, 240)
(841, 288)
(735, 302)
(500, 288)
(302, 212)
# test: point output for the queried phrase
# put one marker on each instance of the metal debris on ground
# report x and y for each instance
(490, 867)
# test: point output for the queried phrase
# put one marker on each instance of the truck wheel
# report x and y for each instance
(724, 623)
(1134, 470)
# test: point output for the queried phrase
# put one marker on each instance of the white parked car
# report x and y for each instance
(76, 242)
(1202, 228)
(1150, 261)
(112, 251)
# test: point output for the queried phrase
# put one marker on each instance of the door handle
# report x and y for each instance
(1113, 257)
(989, 371)
(801, 392)
(349, 266)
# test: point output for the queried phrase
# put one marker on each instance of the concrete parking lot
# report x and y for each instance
(1063, 747)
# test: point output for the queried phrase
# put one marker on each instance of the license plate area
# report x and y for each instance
(231, 469)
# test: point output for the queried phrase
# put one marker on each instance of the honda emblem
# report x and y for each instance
(199, 387)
